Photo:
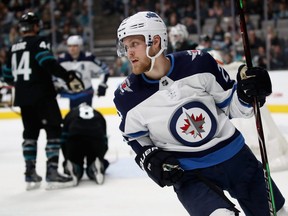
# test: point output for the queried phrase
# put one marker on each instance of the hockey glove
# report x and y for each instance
(74, 83)
(160, 166)
(253, 82)
(102, 89)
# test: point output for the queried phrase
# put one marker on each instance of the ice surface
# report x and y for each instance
(127, 190)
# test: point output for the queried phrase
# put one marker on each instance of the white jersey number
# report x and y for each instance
(23, 67)
(86, 112)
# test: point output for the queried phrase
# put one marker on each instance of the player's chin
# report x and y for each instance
(137, 70)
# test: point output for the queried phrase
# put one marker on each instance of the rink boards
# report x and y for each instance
(277, 102)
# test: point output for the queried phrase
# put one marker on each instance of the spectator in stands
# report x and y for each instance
(277, 59)
(227, 8)
(273, 36)
(218, 35)
(190, 11)
(254, 41)
(253, 7)
(282, 13)
(189, 22)
(173, 19)
(249, 24)
(260, 59)
(227, 44)
(217, 10)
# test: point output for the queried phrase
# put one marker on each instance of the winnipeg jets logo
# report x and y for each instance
(125, 86)
(193, 126)
(151, 15)
(194, 53)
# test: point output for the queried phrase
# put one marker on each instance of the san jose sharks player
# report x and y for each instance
(86, 65)
(85, 144)
(175, 112)
(29, 67)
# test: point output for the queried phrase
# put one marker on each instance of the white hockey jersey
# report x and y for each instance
(86, 66)
(186, 112)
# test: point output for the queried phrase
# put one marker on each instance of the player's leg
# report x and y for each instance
(51, 119)
(248, 185)
(75, 152)
(96, 164)
(29, 146)
(199, 199)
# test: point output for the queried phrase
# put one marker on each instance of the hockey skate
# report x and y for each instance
(71, 170)
(32, 179)
(57, 181)
(96, 171)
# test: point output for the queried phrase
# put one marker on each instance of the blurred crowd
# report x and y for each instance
(219, 31)
(71, 17)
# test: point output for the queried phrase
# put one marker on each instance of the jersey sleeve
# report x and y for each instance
(7, 70)
(104, 68)
(133, 129)
(223, 89)
(46, 60)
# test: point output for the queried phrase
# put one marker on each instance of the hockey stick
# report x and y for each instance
(257, 114)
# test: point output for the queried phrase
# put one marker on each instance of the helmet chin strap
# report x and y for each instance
(153, 57)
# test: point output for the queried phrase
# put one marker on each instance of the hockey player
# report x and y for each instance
(29, 67)
(85, 136)
(86, 65)
(175, 112)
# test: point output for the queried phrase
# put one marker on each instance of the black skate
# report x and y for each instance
(57, 181)
(96, 171)
(32, 179)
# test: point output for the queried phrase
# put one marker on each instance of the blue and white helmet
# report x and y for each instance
(144, 23)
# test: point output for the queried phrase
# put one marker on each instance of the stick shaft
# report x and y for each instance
(257, 114)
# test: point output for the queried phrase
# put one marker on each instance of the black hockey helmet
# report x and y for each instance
(27, 22)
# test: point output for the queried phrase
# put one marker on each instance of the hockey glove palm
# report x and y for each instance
(253, 82)
(74, 83)
(160, 166)
(102, 89)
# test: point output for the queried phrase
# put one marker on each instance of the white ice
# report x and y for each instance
(127, 190)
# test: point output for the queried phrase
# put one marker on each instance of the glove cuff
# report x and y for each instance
(243, 98)
(103, 85)
(143, 156)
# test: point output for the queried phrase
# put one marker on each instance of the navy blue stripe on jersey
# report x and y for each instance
(137, 148)
(137, 134)
(43, 56)
(203, 153)
(228, 100)
(216, 157)
(74, 96)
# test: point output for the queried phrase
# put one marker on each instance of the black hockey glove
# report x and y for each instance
(253, 82)
(102, 89)
(74, 83)
(160, 166)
